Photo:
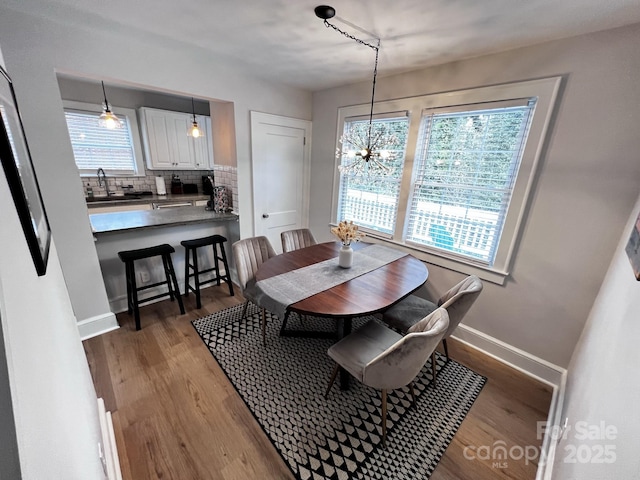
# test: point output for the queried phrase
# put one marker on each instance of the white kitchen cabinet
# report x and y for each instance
(168, 145)
(203, 147)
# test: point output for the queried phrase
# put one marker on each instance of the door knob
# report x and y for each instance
(265, 215)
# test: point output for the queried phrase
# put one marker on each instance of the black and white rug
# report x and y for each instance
(283, 384)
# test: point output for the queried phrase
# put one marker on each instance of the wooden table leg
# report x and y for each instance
(344, 329)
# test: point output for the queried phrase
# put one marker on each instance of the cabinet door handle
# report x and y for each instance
(265, 215)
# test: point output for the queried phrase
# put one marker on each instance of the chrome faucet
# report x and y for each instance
(101, 178)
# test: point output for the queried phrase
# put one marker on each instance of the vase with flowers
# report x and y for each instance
(347, 232)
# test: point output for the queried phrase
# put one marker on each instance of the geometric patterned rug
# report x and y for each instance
(283, 384)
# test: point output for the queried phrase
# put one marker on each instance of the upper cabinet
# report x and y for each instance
(167, 144)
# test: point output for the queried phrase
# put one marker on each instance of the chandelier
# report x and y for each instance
(363, 151)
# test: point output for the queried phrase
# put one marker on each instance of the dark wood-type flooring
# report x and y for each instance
(176, 416)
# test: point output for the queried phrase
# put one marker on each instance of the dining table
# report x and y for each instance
(309, 282)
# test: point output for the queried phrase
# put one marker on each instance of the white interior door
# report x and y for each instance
(280, 154)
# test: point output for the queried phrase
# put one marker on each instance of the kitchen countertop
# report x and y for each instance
(140, 219)
(144, 199)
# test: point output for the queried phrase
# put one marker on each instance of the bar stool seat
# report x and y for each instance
(133, 301)
(192, 269)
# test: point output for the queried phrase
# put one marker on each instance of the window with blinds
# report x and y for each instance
(370, 201)
(98, 147)
(467, 161)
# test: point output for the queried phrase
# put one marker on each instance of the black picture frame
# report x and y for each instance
(21, 176)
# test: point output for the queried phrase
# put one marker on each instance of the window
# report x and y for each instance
(116, 151)
(373, 202)
(459, 190)
(466, 165)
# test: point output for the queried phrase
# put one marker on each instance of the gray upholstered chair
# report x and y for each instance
(296, 239)
(383, 359)
(249, 254)
(457, 301)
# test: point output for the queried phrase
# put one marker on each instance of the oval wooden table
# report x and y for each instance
(366, 294)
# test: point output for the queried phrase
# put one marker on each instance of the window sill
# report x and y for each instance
(492, 275)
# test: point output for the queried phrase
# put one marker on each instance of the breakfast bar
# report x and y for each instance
(128, 230)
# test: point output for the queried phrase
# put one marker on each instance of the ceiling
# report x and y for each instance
(283, 40)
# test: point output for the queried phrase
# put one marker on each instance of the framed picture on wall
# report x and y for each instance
(633, 248)
(21, 177)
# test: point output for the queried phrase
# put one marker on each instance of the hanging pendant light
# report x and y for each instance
(371, 151)
(107, 118)
(194, 131)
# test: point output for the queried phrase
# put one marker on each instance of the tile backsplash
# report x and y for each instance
(223, 176)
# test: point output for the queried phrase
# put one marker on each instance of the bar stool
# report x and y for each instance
(191, 247)
(128, 257)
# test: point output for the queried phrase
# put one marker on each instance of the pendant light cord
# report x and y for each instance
(193, 110)
(375, 70)
(106, 104)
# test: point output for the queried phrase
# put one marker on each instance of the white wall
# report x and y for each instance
(35, 48)
(602, 383)
(587, 181)
(55, 418)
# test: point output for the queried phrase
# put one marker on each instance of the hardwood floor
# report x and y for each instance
(176, 416)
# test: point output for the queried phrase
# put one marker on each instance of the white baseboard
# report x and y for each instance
(536, 368)
(94, 326)
(551, 435)
(109, 451)
(528, 364)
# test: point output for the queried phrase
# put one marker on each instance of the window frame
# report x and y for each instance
(545, 91)
(132, 118)
(385, 116)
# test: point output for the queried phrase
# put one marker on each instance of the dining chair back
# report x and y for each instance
(457, 301)
(297, 239)
(249, 254)
(383, 359)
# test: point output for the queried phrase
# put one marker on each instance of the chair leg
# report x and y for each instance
(167, 276)
(227, 277)
(384, 417)
(172, 277)
(186, 271)
(333, 379)
(134, 296)
(446, 349)
(433, 367)
(196, 277)
(283, 328)
(413, 395)
(244, 309)
(264, 326)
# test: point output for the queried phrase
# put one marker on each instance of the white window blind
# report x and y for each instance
(96, 147)
(371, 201)
(467, 161)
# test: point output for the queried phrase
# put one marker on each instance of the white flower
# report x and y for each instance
(347, 232)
